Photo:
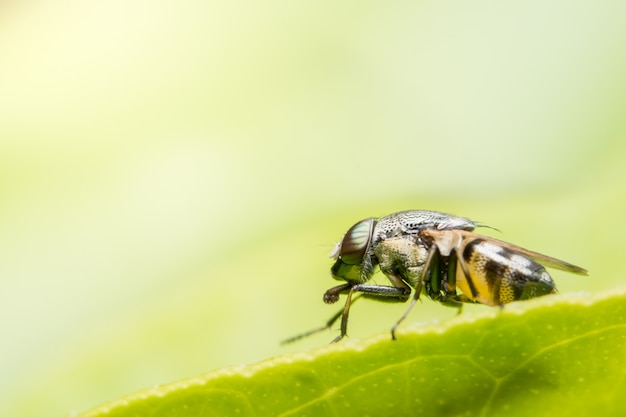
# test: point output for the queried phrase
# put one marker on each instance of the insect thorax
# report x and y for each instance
(412, 221)
(402, 257)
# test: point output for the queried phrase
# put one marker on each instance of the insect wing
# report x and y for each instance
(537, 257)
(494, 272)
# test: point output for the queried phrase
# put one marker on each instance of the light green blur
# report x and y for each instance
(174, 175)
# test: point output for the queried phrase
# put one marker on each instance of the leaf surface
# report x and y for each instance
(560, 355)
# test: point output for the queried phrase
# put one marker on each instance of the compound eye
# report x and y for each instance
(355, 242)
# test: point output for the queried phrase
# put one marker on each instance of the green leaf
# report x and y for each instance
(560, 355)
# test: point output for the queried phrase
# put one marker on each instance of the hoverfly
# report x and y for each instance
(435, 254)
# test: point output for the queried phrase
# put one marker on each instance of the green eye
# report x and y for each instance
(356, 241)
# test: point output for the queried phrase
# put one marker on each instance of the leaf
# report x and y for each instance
(560, 355)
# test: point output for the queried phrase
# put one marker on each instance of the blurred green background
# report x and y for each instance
(173, 175)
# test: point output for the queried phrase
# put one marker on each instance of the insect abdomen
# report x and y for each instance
(498, 275)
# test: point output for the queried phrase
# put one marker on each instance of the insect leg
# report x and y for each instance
(344, 317)
(377, 291)
(332, 295)
(432, 254)
(384, 292)
(327, 326)
(450, 297)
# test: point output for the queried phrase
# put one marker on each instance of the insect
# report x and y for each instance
(434, 254)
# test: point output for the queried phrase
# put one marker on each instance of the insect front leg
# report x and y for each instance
(380, 292)
(332, 294)
(329, 324)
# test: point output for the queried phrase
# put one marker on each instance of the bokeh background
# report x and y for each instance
(174, 174)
